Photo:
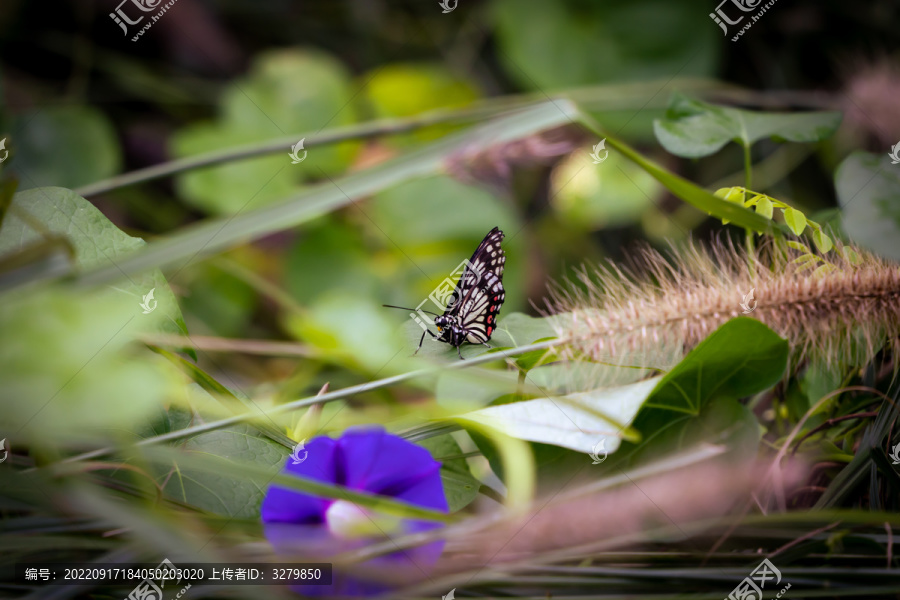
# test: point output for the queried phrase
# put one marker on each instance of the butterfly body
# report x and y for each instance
(471, 313)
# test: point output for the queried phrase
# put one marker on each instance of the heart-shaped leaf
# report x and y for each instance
(740, 358)
(97, 242)
(460, 488)
(222, 492)
(693, 128)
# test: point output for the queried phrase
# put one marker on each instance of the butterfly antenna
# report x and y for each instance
(412, 309)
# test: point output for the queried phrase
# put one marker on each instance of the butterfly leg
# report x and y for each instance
(458, 353)
(421, 340)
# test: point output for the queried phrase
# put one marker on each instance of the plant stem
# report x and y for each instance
(241, 346)
(750, 242)
(211, 235)
(748, 166)
(282, 144)
(603, 97)
(318, 399)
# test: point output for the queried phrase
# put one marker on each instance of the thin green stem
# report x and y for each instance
(606, 98)
(320, 399)
(680, 187)
(282, 144)
(209, 236)
(748, 167)
(750, 242)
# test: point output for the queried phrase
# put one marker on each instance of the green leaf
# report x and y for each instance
(698, 399)
(823, 242)
(65, 146)
(460, 488)
(570, 376)
(530, 360)
(72, 371)
(466, 389)
(402, 90)
(522, 329)
(556, 45)
(293, 91)
(684, 189)
(799, 246)
(823, 269)
(236, 186)
(218, 300)
(806, 258)
(740, 358)
(286, 91)
(720, 421)
(592, 198)
(807, 265)
(96, 242)
(764, 206)
(405, 212)
(221, 492)
(693, 128)
(795, 219)
(868, 190)
(577, 421)
(351, 329)
(84, 367)
(213, 235)
(732, 194)
(816, 382)
(331, 253)
(234, 403)
(851, 255)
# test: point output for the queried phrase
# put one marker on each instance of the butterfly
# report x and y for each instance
(471, 312)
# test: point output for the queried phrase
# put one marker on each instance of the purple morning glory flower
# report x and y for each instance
(369, 460)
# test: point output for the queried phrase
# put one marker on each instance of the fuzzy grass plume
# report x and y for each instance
(844, 311)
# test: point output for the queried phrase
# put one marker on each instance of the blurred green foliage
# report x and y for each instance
(869, 185)
(404, 90)
(558, 45)
(65, 146)
(288, 91)
(594, 199)
(294, 303)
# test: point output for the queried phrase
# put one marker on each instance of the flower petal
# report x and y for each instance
(428, 492)
(382, 463)
(290, 506)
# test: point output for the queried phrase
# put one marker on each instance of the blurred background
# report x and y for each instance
(83, 102)
(86, 99)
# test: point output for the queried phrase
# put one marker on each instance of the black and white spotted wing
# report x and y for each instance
(478, 312)
(471, 314)
(479, 293)
(488, 258)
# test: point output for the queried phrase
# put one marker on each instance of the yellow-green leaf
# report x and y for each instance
(764, 206)
(823, 242)
(851, 255)
(795, 219)
(732, 194)
(800, 260)
(807, 265)
(826, 268)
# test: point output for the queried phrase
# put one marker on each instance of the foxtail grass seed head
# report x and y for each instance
(842, 311)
